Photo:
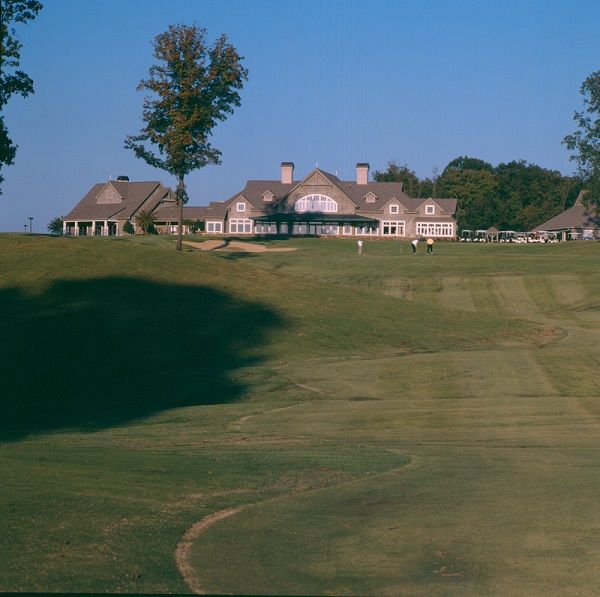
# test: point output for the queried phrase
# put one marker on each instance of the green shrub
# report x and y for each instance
(55, 226)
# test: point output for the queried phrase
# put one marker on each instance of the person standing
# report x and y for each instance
(430, 246)
(360, 246)
(414, 244)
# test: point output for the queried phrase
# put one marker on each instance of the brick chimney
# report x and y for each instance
(287, 172)
(362, 173)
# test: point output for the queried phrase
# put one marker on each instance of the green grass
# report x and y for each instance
(388, 423)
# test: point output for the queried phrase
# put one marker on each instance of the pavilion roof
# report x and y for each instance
(315, 218)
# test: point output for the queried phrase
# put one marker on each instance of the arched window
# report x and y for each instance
(316, 203)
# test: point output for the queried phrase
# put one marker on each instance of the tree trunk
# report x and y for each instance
(180, 196)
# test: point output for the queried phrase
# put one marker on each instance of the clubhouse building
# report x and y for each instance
(580, 222)
(318, 205)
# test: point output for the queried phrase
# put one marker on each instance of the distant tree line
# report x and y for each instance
(512, 196)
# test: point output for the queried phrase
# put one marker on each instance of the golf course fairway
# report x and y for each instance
(299, 422)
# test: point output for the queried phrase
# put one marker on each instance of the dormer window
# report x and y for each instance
(370, 197)
(268, 196)
(394, 209)
(429, 210)
(240, 206)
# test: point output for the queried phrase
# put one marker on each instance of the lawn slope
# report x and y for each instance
(389, 424)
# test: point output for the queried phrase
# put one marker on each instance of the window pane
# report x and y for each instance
(312, 203)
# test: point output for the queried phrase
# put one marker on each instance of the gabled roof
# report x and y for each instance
(384, 192)
(134, 197)
(578, 216)
(254, 191)
(447, 204)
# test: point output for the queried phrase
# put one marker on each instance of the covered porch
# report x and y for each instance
(90, 228)
(315, 224)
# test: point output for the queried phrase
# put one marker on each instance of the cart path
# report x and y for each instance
(184, 548)
(183, 551)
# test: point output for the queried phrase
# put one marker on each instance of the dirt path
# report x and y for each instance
(184, 548)
(236, 245)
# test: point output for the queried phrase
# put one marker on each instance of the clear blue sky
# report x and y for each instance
(331, 82)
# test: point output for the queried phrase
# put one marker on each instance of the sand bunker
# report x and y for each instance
(235, 245)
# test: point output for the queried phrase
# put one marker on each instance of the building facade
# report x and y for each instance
(106, 207)
(318, 205)
(323, 205)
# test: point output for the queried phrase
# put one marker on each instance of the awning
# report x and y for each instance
(315, 218)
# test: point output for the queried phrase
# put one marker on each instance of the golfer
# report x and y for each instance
(430, 246)
(414, 244)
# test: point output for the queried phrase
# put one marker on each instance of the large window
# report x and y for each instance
(214, 227)
(435, 228)
(299, 228)
(367, 231)
(392, 228)
(240, 226)
(316, 203)
(265, 229)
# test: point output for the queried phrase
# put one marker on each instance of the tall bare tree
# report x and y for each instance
(195, 85)
(12, 79)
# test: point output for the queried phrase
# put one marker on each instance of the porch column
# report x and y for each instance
(76, 228)
(93, 228)
(64, 227)
(105, 228)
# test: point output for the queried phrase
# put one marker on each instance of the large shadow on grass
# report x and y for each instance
(90, 354)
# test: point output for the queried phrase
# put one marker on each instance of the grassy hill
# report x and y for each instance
(387, 423)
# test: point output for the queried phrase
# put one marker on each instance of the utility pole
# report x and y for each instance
(30, 224)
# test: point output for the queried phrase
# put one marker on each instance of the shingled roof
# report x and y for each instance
(384, 192)
(118, 200)
(577, 217)
(170, 212)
